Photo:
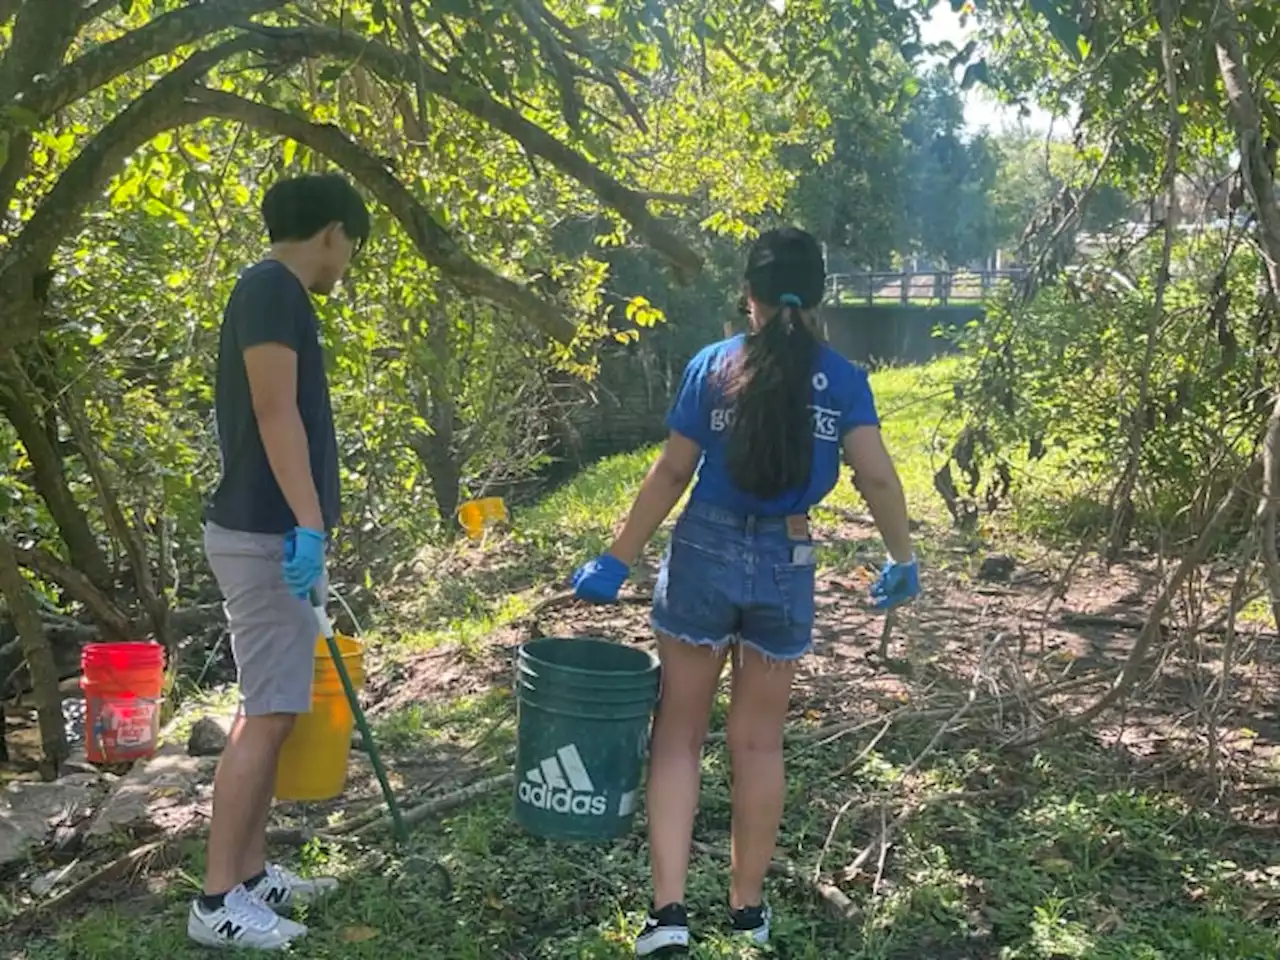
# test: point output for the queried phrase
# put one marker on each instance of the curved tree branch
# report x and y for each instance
(162, 35)
(41, 34)
(159, 109)
(432, 240)
(393, 66)
(115, 625)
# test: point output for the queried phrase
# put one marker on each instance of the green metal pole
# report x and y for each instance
(353, 699)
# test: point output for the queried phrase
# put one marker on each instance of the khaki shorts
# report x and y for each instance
(273, 633)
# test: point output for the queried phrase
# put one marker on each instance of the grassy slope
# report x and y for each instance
(1083, 866)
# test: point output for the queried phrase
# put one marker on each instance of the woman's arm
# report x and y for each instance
(877, 480)
(661, 491)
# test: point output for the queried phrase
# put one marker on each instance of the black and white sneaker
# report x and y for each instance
(665, 933)
(241, 921)
(752, 922)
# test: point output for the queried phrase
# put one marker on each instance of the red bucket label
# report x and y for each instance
(127, 726)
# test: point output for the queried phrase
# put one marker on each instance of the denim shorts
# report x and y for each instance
(729, 578)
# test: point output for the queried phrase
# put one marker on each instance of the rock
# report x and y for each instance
(154, 793)
(29, 810)
(208, 738)
(43, 885)
(998, 567)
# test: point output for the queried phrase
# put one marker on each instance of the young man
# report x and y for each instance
(266, 530)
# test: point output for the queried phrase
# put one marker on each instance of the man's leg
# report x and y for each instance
(242, 793)
(273, 636)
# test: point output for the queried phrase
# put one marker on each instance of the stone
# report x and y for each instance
(207, 739)
(997, 567)
(29, 810)
(43, 885)
(138, 802)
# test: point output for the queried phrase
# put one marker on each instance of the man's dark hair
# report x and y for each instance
(299, 208)
(770, 446)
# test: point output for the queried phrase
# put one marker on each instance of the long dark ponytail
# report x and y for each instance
(770, 446)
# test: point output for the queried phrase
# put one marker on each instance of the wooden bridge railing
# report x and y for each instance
(926, 288)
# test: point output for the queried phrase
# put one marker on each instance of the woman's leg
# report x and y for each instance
(689, 678)
(761, 693)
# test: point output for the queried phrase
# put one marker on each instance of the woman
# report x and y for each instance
(763, 420)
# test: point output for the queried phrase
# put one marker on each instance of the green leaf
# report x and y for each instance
(332, 72)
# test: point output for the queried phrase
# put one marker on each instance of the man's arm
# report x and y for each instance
(272, 369)
(877, 480)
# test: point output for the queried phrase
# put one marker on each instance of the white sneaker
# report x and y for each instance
(241, 921)
(282, 889)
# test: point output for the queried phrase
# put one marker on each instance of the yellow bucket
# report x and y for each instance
(476, 515)
(313, 761)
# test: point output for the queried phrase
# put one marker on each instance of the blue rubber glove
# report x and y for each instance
(303, 560)
(600, 580)
(897, 584)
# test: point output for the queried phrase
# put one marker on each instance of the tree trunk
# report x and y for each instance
(1256, 167)
(39, 657)
(437, 450)
(16, 392)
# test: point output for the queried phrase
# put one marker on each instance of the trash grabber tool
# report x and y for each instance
(353, 699)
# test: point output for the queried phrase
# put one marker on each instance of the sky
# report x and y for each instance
(980, 109)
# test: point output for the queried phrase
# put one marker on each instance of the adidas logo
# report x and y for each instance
(561, 784)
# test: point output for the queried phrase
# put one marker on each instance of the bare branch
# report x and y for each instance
(570, 100)
(392, 65)
(435, 243)
(1259, 177)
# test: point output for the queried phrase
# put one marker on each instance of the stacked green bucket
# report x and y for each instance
(584, 707)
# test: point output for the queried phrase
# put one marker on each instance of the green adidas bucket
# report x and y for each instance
(583, 712)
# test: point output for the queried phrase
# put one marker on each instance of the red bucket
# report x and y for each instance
(122, 684)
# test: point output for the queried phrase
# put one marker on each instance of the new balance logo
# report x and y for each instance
(561, 784)
(230, 930)
(275, 895)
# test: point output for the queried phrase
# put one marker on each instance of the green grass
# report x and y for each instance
(1074, 859)
(1075, 866)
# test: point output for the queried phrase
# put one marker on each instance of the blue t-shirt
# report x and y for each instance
(842, 400)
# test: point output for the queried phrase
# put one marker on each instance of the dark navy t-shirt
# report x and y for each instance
(842, 400)
(270, 305)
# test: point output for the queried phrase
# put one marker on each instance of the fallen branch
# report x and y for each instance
(889, 827)
(357, 823)
(833, 896)
(1225, 510)
(442, 804)
(165, 852)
